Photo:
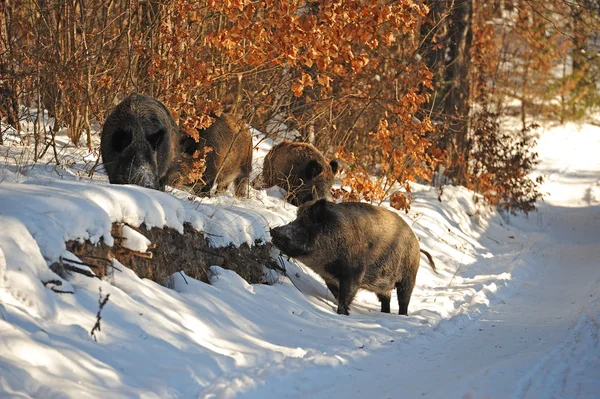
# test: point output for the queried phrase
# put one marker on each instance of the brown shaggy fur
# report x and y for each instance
(301, 170)
(229, 158)
(354, 245)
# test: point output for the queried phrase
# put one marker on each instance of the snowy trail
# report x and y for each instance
(539, 339)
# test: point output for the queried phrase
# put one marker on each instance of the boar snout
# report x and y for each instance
(279, 237)
(276, 235)
(145, 177)
(286, 239)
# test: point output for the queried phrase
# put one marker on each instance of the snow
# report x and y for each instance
(514, 311)
(134, 240)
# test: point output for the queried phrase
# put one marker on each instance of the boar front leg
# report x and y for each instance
(348, 289)
(241, 186)
(385, 300)
(333, 288)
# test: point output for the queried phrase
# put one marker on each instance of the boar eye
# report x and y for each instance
(121, 139)
(156, 138)
(188, 144)
(334, 166)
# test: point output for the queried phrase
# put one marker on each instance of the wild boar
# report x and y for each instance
(229, 158)
(354, 245)
(140, 143)
(301, 170)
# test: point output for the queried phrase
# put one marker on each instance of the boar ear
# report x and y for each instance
(187, 144)
(313, 169)
(318, 211)
(334, 166)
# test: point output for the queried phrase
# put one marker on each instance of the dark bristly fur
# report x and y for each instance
(140, 143)
(301, 170)
(354, 245)
(230, 159)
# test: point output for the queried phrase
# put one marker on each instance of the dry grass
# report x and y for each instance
(172, 252)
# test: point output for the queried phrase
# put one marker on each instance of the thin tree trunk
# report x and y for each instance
(457, 101)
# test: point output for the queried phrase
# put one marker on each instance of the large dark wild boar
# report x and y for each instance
(301, 170)
(140, 143)
(230, 157)
(354, 245)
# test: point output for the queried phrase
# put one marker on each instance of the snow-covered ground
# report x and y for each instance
(513, 313)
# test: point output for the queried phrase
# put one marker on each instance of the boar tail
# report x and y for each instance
(430, 259)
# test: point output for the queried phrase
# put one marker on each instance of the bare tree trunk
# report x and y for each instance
(447, 54)
(150, 15)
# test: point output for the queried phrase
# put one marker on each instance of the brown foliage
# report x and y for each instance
(397, 156)
(501, 163)
(348, 75)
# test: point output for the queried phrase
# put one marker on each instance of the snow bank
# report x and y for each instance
(56, 211)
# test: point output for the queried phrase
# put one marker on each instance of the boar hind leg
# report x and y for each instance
(222, 188)
(385, 301)
(348, 290)
(201, 189)
(404, 290)
(241, 186)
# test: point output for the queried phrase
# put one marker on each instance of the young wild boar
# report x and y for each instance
(230, 157)
(301, 170)
(140, 143)
(354, 245)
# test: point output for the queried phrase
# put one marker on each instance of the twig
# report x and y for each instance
(62, 292)
(282, 267)
(101, 302)
(183, 275)
(79, 263)
(457, 269)
(57, 283)
(60, 266)
(496, 241)
(147, 255)
(109, 262)
(416, 220)
(520, 252)
(212, 235)
(80, 271)
(95, 257)
(284, 271)
(91, 172)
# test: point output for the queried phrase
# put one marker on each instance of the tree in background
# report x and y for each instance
(509, 59)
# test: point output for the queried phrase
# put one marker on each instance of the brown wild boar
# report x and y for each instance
(301, 170)
(229, 158)
(354, 245)
(140, 143)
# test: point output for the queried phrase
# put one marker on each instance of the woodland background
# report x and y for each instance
(398, 91)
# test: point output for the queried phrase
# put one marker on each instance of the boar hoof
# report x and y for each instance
(343, 310)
